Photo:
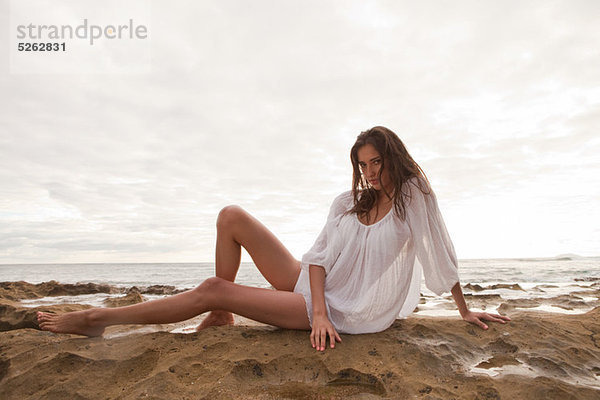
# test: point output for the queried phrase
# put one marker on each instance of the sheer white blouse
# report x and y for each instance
(373, 272)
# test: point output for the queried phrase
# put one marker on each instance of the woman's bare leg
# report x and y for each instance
(237, 228)
(280, 308)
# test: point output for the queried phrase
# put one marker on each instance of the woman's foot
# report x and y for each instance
(77, 322)
(216, 318)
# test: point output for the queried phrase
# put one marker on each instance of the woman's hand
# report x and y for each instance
(473, 317)
(320, 329)
(478, 317)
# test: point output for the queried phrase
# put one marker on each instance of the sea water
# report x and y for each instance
(558, 270)
(558, 276)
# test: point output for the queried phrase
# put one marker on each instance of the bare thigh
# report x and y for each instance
(274, 307)
(273, 259)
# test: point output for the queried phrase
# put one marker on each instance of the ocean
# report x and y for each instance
(545, 280)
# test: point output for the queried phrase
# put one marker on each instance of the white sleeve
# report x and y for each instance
(433, 246)
(321, 253)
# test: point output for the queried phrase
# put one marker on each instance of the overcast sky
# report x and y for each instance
(257, 103)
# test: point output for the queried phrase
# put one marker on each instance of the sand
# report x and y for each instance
(538, 355)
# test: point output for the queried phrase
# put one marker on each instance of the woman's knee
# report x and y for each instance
(229, 216)
(213, 284)
(211, 289)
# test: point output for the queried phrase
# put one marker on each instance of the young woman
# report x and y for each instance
(362, 273)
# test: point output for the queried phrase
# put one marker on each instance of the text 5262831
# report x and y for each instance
(42, 46)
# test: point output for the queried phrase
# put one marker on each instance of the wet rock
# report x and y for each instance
(474, 287)
(133, 296)
(160, 290)
(23, 290)
(588, 279)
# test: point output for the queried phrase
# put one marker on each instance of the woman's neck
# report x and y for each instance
(385, 198)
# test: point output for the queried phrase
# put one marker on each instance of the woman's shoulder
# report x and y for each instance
(342, 202)
(416, 183)
(344, 196)
(415, 190)
(345, 199)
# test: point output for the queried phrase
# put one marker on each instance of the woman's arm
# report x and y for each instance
(321, 325)
(471, 316)
(435, 252)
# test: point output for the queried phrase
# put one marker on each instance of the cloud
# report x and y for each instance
(259, 103)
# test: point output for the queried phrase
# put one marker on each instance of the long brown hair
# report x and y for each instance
(400, 166)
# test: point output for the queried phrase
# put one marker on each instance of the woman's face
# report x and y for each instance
(369, 161)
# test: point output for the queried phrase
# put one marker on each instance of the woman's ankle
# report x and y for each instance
(95, 317)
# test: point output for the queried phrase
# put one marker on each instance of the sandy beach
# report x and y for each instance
(539, 355)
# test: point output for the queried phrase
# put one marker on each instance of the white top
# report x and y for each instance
(373, 272)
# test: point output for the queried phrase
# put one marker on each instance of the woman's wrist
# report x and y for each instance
(317, 288)
(459, 299)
